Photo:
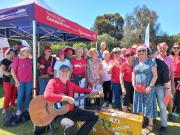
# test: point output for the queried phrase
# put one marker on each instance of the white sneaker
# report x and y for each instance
(4, 111)
(110, 106)
(104, 104)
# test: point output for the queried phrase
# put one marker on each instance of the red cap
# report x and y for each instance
(129, 51)
(47, 48)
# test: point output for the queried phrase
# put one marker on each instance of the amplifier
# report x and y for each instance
(92, 103)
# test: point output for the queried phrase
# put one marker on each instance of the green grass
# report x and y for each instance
(27, 128)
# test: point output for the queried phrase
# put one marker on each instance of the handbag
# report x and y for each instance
(166, 99)
(140, 88)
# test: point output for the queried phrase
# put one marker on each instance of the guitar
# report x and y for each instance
(43, 112)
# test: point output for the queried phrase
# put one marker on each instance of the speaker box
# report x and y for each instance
(92, 103)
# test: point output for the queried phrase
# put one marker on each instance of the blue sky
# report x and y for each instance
(84, 12)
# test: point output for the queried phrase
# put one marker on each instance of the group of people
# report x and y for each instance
(132, 80)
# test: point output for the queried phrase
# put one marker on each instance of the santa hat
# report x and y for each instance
(22, 48)
(6, 50)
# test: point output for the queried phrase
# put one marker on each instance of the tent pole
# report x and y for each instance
(38, 49)
(34, 57)
(96, 46)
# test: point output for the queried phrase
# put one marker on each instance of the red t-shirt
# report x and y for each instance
(176, 66)
(127, 70)
(116, 71)
(55, 89)
(47, 63)
(78, 67)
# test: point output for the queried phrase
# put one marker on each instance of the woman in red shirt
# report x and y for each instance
(79, 73)
(115, 71)
(126, 79)
(45, 64)
(78, 66)
(176, 59)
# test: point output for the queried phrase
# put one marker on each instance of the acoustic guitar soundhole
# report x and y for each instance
(58, 105)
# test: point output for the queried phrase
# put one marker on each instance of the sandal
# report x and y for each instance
(148, 129)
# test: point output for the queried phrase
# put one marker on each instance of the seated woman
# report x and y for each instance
(144, 76)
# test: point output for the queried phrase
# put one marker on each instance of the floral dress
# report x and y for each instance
(144, 103)
(94, 70)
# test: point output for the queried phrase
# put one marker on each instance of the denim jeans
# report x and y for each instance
(162, 106)
(117, 93)
(42, 84)
(24, 89)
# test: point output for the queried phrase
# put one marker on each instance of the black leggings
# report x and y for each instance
(128, 98)
(177, 96)
(107, 91)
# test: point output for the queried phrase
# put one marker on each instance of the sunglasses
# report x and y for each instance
(142, 50)
(175, 47)
(116, 52)
(128, 55)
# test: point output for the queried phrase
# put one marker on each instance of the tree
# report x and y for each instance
(79, 45)
(111, 24)
(136, 23)
(111, 42)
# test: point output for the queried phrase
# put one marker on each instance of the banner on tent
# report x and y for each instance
(44, 16)
(22, 12)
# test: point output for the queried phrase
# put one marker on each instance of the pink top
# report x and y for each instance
(79, 67)
(23, 69)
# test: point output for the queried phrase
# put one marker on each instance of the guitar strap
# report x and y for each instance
(67, 88)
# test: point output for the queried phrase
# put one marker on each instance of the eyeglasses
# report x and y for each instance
(175, 47)
(142, 50)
